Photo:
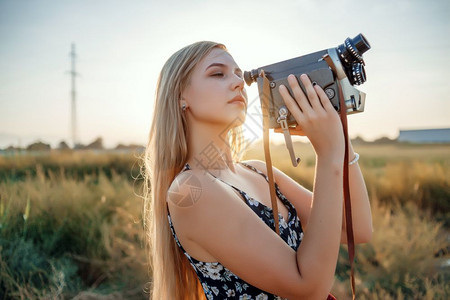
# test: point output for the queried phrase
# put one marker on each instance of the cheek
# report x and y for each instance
(205, 97)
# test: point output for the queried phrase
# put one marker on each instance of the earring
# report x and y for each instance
(183, 107)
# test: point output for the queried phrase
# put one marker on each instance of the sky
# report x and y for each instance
(121, 47)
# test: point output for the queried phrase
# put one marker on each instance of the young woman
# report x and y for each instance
(208, 215)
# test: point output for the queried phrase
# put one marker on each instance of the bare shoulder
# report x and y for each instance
(197, 200)
(186, 188)
(196, 192)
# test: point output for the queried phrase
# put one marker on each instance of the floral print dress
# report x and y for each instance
(220, 283)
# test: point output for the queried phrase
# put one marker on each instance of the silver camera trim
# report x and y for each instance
(354, 99)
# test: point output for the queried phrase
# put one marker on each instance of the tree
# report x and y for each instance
(38, 146)
(63, 146)
(97, 144)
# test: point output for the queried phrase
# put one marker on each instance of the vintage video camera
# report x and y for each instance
(343, 63)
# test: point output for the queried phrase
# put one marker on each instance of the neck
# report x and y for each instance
(208, 148)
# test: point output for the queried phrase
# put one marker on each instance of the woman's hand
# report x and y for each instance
(316, 117)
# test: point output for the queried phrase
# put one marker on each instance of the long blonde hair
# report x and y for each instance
(164, 157)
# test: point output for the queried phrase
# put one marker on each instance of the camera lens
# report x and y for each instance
(250, 76)
(350, 54)
(361, 44)
(352, 50)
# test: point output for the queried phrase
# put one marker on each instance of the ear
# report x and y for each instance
(185, 94)
(182, 101)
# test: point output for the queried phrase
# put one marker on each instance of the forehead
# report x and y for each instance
(217, 55)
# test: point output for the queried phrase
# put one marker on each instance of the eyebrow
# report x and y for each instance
(221, 65)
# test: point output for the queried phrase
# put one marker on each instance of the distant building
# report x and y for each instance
(440, 135)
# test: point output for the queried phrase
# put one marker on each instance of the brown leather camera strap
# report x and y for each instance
(265, 98)
(347, 202)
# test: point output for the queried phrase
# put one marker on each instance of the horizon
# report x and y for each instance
(279, 140)
(23, 142)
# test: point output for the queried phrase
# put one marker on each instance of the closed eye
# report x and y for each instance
(217, 74)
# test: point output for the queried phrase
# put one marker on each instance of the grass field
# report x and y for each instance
(70, 223)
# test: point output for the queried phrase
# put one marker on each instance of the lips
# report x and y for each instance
(238, 98)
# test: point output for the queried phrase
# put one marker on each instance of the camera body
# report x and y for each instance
(332, 69)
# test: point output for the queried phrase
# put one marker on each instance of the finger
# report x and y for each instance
(310, 92)
(300, 97)
(326, 103)
(291, 104)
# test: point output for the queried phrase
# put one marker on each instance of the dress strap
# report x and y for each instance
(172, 229)
(255, 169)
(225, 182)
(277, 189)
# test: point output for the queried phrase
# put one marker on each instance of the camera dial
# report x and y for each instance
(358, 74)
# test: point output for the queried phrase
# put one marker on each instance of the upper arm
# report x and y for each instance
(229, 230)
(299, 196)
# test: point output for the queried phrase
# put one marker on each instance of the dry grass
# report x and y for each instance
(60, 236)
(70, 223)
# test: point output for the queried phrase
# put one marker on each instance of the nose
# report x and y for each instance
(238, 82)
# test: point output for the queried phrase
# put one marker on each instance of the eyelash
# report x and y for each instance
(221, 74)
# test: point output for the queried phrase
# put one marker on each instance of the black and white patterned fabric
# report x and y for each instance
(220, 283)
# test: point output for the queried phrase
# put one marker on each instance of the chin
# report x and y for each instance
(240, 119)
(235, 122)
